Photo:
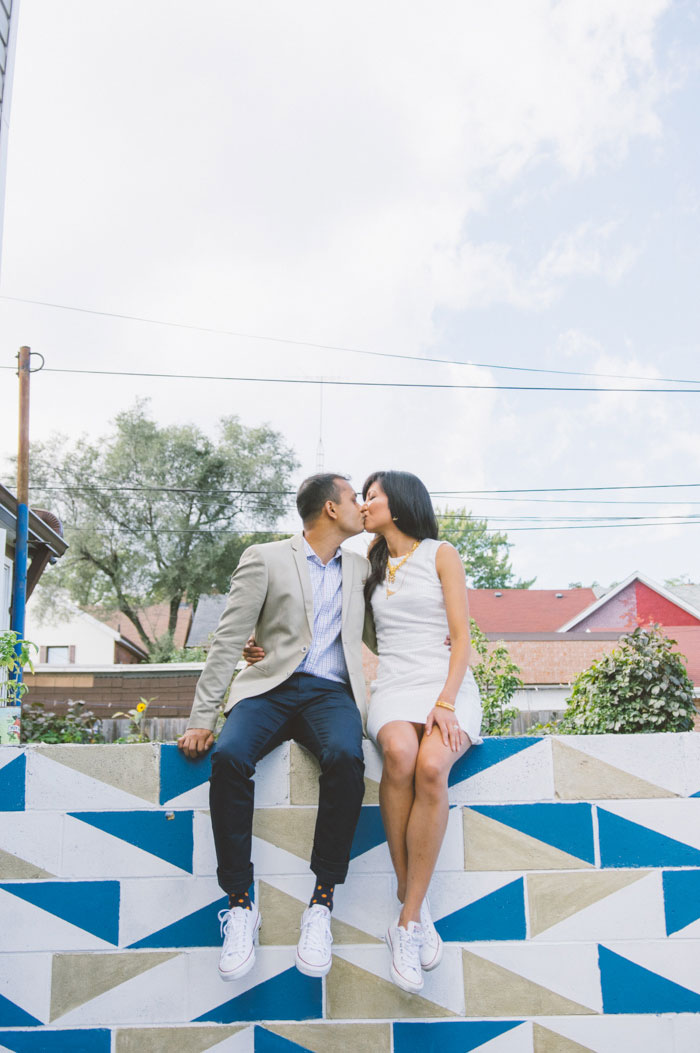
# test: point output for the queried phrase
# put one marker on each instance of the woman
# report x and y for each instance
(424, 710)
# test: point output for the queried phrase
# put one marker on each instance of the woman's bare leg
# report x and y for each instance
(428, 818)
(399, 742)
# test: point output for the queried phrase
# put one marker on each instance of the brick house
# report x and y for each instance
(555, 634)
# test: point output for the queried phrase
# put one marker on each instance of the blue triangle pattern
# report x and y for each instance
(178, 774)
(288, 996)
(198, 929)
(630, 988)
(500, 915)
(449, 1036)
(97, 1041)
(369, 831)
(12, 783)
(171, 839)
(681, 898)
(91, 905)
(627, 844)
(269, 1042)
(12, 1015)
(491, 751)
(568, 827)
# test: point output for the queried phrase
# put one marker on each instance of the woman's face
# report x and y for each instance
(375, 510)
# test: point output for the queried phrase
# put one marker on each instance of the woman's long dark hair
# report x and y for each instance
(412, 511)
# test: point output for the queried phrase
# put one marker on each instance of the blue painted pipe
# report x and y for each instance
(19, 596)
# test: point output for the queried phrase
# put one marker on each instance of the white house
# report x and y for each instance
(67, 635)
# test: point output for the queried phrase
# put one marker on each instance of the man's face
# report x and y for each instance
(348, 510)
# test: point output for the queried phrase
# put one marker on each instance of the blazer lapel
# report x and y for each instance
(347, 571)
(304, 578)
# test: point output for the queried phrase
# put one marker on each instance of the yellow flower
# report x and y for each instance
(141, 706)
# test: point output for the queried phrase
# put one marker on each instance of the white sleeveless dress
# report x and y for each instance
(413, 659)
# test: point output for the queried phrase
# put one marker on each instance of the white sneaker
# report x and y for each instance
(239, 928)
(405, 945)
(432, 946)
(314, 957)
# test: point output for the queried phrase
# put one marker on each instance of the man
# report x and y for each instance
(303, 599)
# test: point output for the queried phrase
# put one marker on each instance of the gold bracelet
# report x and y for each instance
(445, 705)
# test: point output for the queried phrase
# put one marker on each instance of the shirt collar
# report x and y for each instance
(310, 554)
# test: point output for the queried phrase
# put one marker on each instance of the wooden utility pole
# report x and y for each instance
(19, 595)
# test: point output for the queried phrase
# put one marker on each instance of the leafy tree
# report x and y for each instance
(484, 552)
(157, 514)
(642, 685)
(497, 677)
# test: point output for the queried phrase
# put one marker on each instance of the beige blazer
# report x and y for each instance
(271, 596)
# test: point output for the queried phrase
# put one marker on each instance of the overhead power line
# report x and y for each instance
(585, 520)
(118, 488)
(566, 489)
(224, 531)
(407, 385)
(338, 347)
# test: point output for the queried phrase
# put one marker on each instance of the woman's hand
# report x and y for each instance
(446, 721)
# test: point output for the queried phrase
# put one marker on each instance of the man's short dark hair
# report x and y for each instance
(315, 491)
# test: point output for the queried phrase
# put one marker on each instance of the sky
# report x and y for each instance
(513, 184)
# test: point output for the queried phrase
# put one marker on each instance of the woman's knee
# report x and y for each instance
(400, 758)
(431, 775)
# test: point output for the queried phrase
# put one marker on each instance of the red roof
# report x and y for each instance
(154, 620)
(526, 610)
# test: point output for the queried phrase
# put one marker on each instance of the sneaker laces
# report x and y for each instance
(234, 925)
(426, 921)
(314, 934)
(410, 943)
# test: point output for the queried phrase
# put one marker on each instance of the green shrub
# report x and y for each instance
(497, 677)
(10, 664)
(75, 725)
(164, 650)
(641, 686)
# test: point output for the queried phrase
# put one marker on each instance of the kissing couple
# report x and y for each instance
(308, 604)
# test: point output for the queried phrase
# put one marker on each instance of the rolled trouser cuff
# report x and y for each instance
(235, 883)
(327, 872)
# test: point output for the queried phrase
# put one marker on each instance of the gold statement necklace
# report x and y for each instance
(391, 571)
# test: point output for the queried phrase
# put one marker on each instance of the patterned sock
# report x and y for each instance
(322, 894)
(240, 899)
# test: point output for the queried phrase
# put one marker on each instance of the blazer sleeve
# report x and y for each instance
(245, 601)
(369, 633)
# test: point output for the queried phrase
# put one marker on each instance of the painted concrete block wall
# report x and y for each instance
(567, 891)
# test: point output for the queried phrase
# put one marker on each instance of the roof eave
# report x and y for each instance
(634, 576)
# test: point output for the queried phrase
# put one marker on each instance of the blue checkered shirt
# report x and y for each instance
(325, 656)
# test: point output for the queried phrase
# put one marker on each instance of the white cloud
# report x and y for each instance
(311, 171)
(278, 166)
(481, 275)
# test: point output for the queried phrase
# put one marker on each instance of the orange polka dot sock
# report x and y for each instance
(322, 894)
(239, 899)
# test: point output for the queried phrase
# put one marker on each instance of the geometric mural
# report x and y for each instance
(567, 894)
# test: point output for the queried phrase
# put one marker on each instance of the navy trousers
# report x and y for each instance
(321, 715)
